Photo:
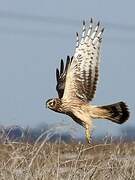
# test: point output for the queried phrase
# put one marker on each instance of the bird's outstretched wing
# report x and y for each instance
(82, 73)
(61, 76)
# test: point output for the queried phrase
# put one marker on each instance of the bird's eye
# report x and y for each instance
(52, 103)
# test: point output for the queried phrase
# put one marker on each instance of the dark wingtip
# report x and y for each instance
(77, 34)
(61, 66)
(91, 20)
(71, 59)
(102, 30)
(83, 22)
(67, 63)
(68, 57)
(57, 74)
(98, 23)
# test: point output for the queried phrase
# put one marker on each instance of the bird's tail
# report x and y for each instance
(117, 112)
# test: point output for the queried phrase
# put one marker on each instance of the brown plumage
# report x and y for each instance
(77, 81)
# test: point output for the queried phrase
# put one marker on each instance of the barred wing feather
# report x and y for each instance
(83, 71)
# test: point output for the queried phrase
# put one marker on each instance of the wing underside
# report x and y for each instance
(82, 73)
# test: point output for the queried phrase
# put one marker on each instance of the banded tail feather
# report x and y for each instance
(117, 112)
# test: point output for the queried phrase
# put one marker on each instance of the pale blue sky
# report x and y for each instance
(34, 35)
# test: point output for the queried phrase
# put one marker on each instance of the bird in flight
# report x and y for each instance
(77, 82)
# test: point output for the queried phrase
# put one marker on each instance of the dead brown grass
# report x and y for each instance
(74, 161)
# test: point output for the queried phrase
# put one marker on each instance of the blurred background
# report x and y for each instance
(35, 35)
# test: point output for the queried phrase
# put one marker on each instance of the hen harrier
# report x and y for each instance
(77, 81)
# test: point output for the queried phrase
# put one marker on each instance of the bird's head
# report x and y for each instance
(53, 104)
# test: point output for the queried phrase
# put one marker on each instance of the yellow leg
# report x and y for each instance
(87, 134)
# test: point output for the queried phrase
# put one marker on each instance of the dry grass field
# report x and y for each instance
(68, 161)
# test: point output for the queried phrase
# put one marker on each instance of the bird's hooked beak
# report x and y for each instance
(46, 104)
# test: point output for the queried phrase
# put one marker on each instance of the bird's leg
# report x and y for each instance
(87, 133)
